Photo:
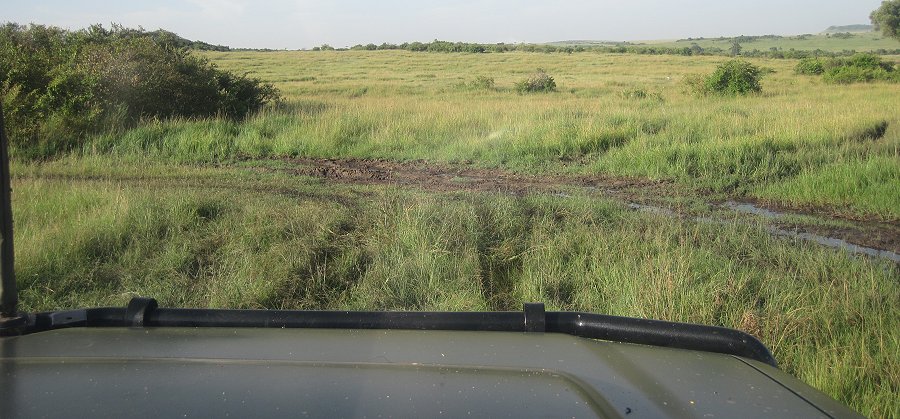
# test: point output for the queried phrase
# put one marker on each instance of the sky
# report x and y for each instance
(297, 24)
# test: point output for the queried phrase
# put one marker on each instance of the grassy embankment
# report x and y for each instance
(96, 229)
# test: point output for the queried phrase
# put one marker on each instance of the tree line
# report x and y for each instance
(438, 46)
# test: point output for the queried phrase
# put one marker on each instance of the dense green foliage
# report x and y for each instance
(810, 66)
(734, 77)
(58, 86)
(860, 68)
(887, 18)
(540, 81)
(172, 39)
(855, 69)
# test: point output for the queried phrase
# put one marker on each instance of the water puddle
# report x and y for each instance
(837, 244)
(651, 209)
(751, 209)
(747, 208)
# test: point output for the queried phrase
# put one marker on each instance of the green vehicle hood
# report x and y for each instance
(247, 372)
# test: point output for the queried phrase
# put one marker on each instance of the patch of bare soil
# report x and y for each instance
(875, 234)
(445, 178)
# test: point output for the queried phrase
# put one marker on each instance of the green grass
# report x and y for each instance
(144, 212)
(874, 183)
(401, 105)
(94, 232)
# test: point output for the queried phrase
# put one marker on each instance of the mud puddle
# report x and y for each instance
(875, 239)
(837, 244)
(869, 238)
(747, 208)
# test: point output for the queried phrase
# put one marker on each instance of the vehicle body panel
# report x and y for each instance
(241, 372)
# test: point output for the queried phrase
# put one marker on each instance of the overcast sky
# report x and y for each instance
(297, 24)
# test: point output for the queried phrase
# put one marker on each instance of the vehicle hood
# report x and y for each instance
(246, 372)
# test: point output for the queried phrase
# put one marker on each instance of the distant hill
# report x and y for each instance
(849, 28)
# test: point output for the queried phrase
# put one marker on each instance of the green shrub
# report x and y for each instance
(60, 86)
(639, 94)
(695, 83)
(849, 74)
(869, 61)
(860, 68)
(810, 67)
(482, 82)
(540, 81)
(735, 77)
(634, 94)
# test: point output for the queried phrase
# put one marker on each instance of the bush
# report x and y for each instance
(850, 74)
(860, 68)
(869, 61)
(540, 81)
(60, 86)
(638, 93)
(482, 82)
(735, 77)
(810, 67)
(695, 83)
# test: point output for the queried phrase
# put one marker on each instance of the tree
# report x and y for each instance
(887, 18)
(735, 49)
(696, 49)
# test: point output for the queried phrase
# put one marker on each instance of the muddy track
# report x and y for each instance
(445, 178)
(637, 192)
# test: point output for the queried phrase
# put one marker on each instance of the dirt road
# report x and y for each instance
(638, 193)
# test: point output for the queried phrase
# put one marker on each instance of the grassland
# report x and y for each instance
(616, 114)
(167, 209)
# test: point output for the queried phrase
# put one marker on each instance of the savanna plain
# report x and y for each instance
(395, 180)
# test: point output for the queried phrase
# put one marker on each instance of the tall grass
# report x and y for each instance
(121, 219)
(195, 237)
(400, 105)
(872, 183)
